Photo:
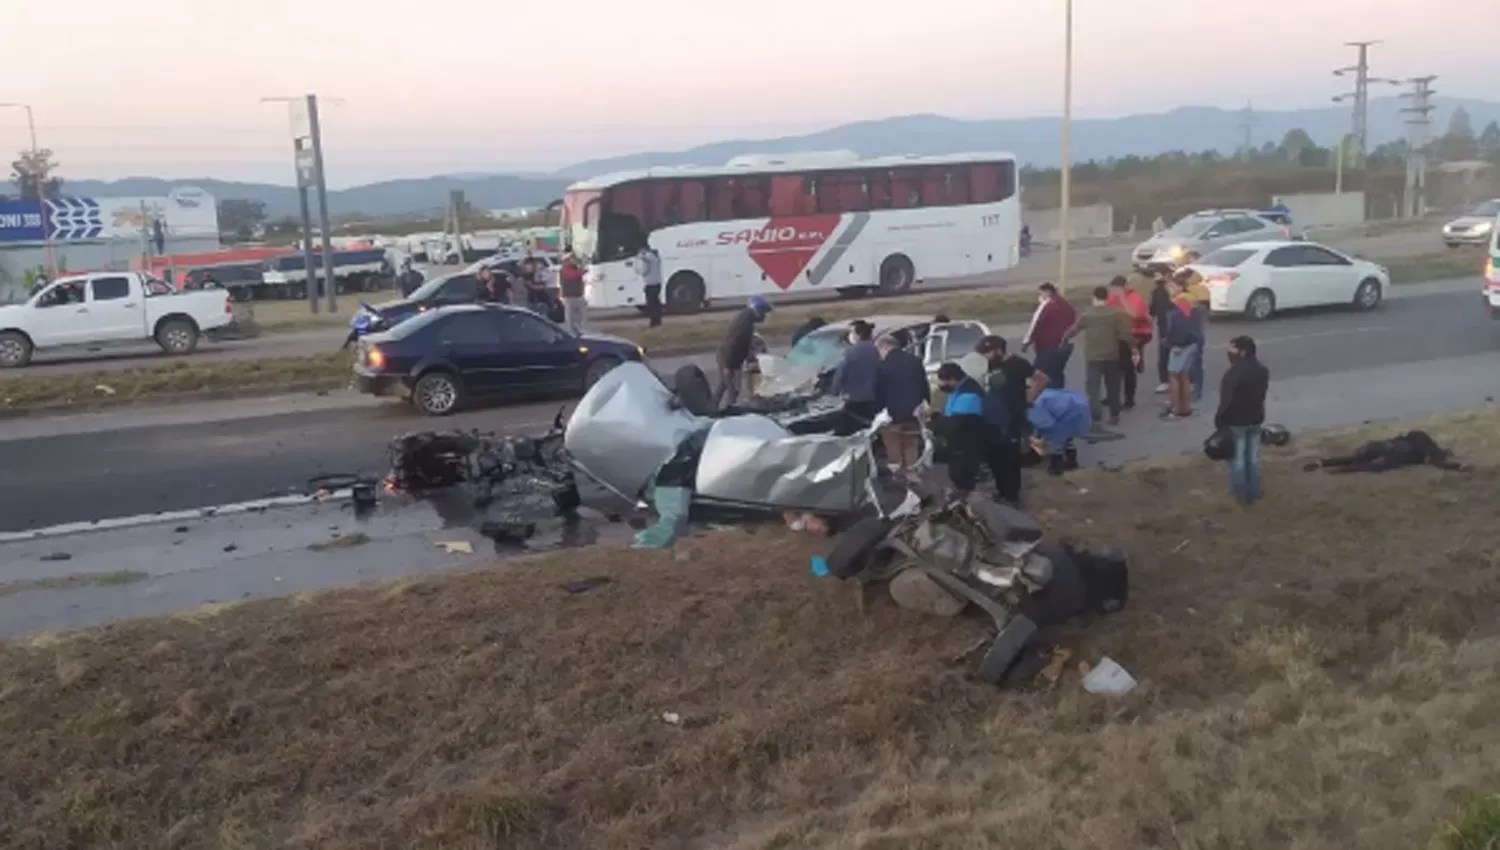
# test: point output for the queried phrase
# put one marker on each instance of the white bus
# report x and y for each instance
(797, 223)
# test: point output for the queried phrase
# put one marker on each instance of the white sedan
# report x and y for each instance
(1256, 279)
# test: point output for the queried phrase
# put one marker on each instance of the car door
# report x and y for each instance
(1330, 277)
(470, 341)
(59, 315)
(115, 311)
(1290, 278)
(538, 354)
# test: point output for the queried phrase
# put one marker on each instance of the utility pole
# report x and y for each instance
(304, 178)
(1418, 133)
(315, 130)
(1067, 152)
(1361, 97)
(1247, 126)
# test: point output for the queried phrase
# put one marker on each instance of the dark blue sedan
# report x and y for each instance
(444, 357)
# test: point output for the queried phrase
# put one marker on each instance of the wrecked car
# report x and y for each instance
(809, 366)
(947, 555)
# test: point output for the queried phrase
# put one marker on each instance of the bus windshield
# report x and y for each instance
(580, 221)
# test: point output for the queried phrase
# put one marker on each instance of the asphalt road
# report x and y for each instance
(126, 463)
(1097, 261)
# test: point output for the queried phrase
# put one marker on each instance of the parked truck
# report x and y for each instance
(367, 270)
(93, 311)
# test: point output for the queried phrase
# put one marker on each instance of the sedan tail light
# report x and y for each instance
(1222, 279)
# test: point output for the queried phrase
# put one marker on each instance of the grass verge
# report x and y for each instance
(71, 581)
(1318, 672)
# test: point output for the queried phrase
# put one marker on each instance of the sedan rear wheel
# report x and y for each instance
(1261, 305)
(437, 393)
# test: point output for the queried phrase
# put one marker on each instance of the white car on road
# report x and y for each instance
(110, 308)
(1257, 279)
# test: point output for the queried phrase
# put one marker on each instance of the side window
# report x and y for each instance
(1315, 256)
(961, 338)
(906, 188)
(793, 194)
(934, 186)
(521, 327)
(629, 199)
(59, 294)
(956, 185)
(109, 289)
(1007, 180)
(468, 329)
(690, 201)
(1249, 225)
(878, 189)
(984, 182)
(754, 200)
(662, 207)
(843, 192)
(1285, 258)
(461, 288)
(721, 195)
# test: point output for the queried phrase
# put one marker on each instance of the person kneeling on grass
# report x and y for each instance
(1057, 418)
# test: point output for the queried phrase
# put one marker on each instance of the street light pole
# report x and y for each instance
(1067, 153)
(40, 201)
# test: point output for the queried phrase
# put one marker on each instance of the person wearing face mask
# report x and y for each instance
(1049, 325)
(1242, 412)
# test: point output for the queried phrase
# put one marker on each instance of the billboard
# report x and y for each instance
(186, 212)
(20, 221)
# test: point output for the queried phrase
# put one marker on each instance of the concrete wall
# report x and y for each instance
(1325, 209)
(1093, 222)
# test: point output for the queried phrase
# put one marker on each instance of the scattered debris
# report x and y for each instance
(345, 541)
(181, 529)
(231, 547)
(511, 532)
(584, 585)
(1056, 664)
(1108, 677)
(57, 556)
(456, 547)
(671, 717)
(104, 389)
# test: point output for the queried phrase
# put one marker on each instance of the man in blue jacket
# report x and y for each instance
(858, 377)
(977, 423)
(903, 390)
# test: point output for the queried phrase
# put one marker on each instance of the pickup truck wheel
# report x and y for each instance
(177, 336)
(15, 350)
(437, 393)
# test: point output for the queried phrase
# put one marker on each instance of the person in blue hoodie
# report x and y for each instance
(977, 423)
(1058, 417)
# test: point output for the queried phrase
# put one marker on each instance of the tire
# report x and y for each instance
(1367, 296)
(685, 293)
(177, 337)
(854, 545)
(15, 350)
(1007, 650)
(437, 393)
(896, 275)
(598, 369)
(1261, 305)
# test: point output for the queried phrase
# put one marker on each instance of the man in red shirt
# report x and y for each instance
(1049, 327)
(1133, 354)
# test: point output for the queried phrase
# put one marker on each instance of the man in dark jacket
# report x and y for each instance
(976, 424)
(1160, 308)
(1016, 384)
(735, 350)
(409, 279)
(903, 388)
(1053, 317)
(1242, 411)
(858, 377)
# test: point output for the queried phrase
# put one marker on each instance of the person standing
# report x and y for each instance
(975, 427)
(1049, 323)
(1161, 308)
(735, 350)
(492, 287)
(1104, 330)
(1185, 334)
(1197, 291)
(650, 268)
(903, 388)
(575, 303)
(858, 377)
(1015, 383)
(409, 279)
(1242, 411)
(1133, 353)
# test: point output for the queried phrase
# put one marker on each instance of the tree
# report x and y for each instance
(1489, 142)
(240, 219)
(1294, 143)
(32, 174)
(1459, 143)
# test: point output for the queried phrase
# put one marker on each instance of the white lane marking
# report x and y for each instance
(1316, 334)
(139, 520)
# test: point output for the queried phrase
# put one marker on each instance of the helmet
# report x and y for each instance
(1219, 445)
(1275, 435)
(759, 304)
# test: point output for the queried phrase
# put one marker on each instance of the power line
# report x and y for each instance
(1247, 126)
(1361, 97)
(1418, 135)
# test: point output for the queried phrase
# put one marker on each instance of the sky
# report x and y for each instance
(173, 88)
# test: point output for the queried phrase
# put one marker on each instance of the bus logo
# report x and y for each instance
(783, 248)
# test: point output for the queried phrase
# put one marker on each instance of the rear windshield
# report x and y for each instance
(415, 324)
(1190, 226)
(1227, 258)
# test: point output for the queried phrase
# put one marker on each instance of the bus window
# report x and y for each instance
(878, 185)
(792, 194)
(721, 198)
(934, 186)
(906, 188)
(690, 200)
(662, 209)
(956, 188)
(752, 200)
(629, 199)
(984, 182)
(622, 226)
(1007, 180)
(840, 193)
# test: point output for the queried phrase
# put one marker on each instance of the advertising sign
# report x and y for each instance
(20, 221)
(186, 212)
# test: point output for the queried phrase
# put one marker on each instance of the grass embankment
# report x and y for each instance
(1320, 671)
(20, 391)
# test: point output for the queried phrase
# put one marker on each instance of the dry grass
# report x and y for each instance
(1319, 672)
(71, 581)
(20, 391)
(1443, 265)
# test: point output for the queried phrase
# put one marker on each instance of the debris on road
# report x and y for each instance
(57, 556)
(1109, 678)
(341, 541)
(585, 584)
(456, 547)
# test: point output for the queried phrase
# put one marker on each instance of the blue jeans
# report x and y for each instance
(1244, 464)
(1195, 373)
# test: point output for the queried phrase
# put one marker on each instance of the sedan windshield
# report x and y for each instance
(823, 348)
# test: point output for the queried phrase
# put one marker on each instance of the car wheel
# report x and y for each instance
(15, 350)
(854, 545)
(177, 336)
(437, 393)
(685, 293)
(1367, 297)
(596, 370)
(896, 275)
(1006, 650)
(1261, 305)
(1451, 245)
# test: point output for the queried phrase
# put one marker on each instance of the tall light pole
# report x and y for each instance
(41, 202)
(1067, 153)
(302, 157)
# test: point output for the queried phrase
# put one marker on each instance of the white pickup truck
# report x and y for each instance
(109, 308)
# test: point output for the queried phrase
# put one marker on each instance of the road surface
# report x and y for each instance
(1098, 261)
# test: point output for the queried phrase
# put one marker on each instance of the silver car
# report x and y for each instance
(1201, 233)
(1475, 227)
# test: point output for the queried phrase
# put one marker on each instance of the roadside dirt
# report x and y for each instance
(1319, 671)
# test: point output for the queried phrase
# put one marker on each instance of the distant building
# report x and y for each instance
(512, 213)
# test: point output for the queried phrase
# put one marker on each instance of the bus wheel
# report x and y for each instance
(685, 293)
(896, 275)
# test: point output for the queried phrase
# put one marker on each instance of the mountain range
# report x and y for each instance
(1033, 140)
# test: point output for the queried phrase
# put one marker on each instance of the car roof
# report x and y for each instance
(885, 323)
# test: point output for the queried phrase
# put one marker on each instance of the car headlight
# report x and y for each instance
(1484, 227)
(1176, 252)
(641, 351)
